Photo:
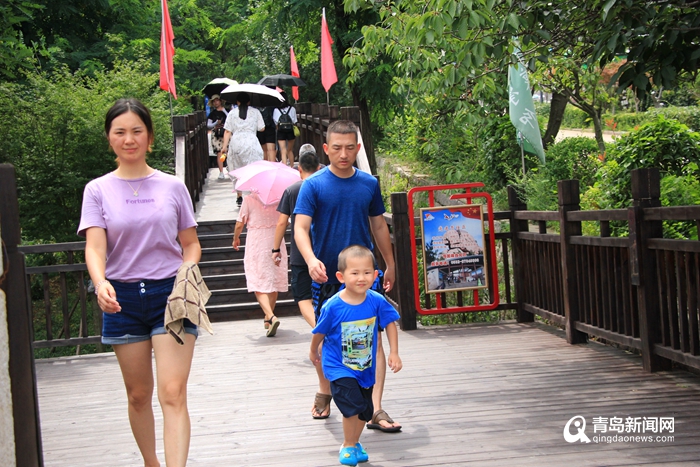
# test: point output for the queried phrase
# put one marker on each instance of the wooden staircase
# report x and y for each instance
(222, 270)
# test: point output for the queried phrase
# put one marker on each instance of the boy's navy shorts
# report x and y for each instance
(352, 399)
(143, 312)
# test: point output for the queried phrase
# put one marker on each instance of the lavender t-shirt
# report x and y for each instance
(141, 230)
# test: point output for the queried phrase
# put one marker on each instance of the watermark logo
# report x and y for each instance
(580, 425)
(618, 429)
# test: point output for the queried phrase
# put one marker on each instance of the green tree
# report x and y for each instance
(15, 53)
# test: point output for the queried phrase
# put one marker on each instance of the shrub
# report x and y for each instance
(575, 118)
(573, 158)
(664, 144)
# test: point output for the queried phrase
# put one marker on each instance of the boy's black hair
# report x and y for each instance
(341, 127)
(353, 251)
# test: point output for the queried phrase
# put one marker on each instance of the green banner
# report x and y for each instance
(522, 110)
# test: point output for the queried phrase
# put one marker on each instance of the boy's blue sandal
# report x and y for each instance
(348, 456)
(361, 454)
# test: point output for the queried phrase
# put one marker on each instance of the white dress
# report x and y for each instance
(244, 146)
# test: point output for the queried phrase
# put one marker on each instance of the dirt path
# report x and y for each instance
(608, 136)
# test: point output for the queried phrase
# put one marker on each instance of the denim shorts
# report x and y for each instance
(352, 399)
(143, 312)
(301, 283)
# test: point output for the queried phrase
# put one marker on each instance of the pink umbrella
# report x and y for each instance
(266, 179)
(245, 172)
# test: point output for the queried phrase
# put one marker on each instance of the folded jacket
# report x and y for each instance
(187, 300)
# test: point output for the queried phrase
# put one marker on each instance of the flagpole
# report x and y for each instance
(328, 99)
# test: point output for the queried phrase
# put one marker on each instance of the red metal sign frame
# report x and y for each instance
(468, 196)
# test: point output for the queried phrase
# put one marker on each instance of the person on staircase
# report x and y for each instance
(264, 277)
(244, 122)
(286, 119)
(215, 123)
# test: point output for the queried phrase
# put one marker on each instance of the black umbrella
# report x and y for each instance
(260, 96)
(217, 85)
(282, 80)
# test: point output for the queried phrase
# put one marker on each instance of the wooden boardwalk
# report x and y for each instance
(485, 395)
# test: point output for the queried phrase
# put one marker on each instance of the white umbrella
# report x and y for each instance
(260, 96)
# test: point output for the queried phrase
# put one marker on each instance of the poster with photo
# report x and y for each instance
(453, 248)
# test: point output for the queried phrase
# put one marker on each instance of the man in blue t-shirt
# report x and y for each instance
(339, 206)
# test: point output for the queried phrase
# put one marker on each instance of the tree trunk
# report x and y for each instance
(598, 128)
(556, 115)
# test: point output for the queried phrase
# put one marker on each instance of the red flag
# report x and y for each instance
(167, 50)
(328, 75)
(295, 72)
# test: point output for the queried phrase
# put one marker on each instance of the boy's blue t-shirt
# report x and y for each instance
(340, 209)
(349, 346)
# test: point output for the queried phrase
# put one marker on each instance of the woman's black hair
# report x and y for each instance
(286, 101)
(123, 106)
(243, 99)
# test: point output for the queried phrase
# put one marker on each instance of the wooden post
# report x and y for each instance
(646, 191)
(404, 260)
(516, 203)
(25, 409)
(179, 133)
(569, 200)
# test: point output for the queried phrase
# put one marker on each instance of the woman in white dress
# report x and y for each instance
(244, 122)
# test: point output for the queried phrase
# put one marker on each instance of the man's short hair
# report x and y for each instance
(341, 127)
(353, 251)
(308, 160)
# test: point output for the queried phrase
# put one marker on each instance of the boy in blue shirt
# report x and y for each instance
(349, 328)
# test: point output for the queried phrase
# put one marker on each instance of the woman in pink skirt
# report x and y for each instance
(263, 276)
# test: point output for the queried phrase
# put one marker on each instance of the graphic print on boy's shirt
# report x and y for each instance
(358, 339)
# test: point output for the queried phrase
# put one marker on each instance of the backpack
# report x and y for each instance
(285, 122)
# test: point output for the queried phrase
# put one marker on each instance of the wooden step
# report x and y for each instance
(249, 310)
(209, 227)
(227, 281)
(225, 266)
(239, 295)
(215, 240)
(221, 253)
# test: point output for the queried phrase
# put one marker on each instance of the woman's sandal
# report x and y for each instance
(271, 325)
(322, 402)
(378, 416)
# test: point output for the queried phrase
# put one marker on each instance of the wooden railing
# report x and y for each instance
(71, 282)
(20, 364)
(191, 152)
(640, 291)
(313, 122)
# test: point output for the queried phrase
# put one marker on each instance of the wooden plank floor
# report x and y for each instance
(487, 395)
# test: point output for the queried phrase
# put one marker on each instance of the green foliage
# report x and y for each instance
(626, 121)
(572, 158)
(55, 138)
(15, 54)
(664, 144)
(681, 190)
(659, 40)
(575, 118)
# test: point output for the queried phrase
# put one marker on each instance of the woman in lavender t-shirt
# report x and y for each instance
(132, 219)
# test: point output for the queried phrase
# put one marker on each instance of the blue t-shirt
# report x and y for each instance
(340, 209)
(349, 346)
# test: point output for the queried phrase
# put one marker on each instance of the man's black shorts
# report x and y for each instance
(301, 283)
